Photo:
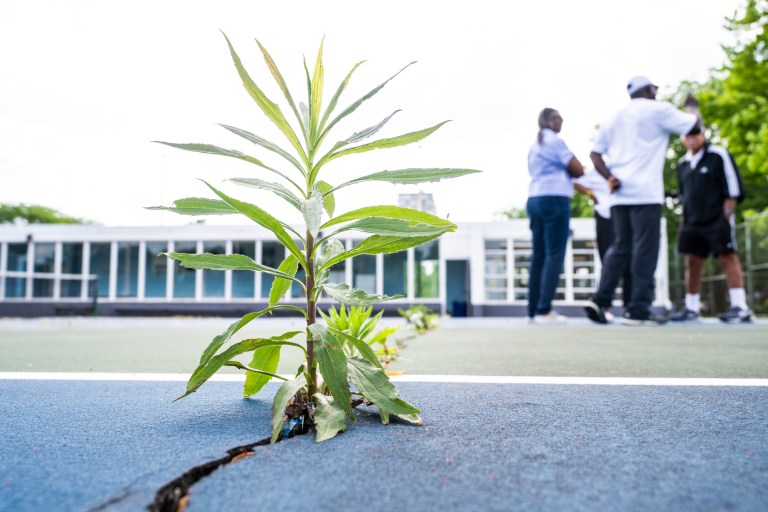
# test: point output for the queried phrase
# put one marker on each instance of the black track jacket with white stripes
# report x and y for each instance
(704, 187)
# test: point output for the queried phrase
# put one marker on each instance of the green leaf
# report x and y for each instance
(289, 266)
(316, 96)
(312, 210)
(330, 248)
(264, 219)
(363, 134)
(374, 384)
(360, 101)
(225, 262)
(283, 397)
(329, 418)
(414, 419)
(264, 143)
(332, 365)
(365, 350)
(216, 150)
(329, 200)
(336, 96)
(390, 212)
(277, 188)
(197, 206)
(205, 370)
(270, 109)
(411, 176)
(400, 140)
(265, 359)
(394, 227)
(283, 86)
(342, 292)
(378, 244)
(222, 338)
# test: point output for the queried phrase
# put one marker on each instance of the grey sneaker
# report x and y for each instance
(642, 318)
(684, 315)
(595, 312)
(551, 318)
(736, 315)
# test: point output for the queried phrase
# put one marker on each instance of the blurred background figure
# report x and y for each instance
(710, 186)
(551, 166)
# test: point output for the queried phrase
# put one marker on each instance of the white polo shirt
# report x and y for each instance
(634, 142)
(599, 185)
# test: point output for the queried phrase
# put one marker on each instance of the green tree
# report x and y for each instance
(35, 214)
(580, 207)
(734, 104)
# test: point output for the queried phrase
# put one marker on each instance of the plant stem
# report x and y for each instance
(311, 316)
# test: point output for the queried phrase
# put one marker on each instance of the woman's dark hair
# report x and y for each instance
(544, 116)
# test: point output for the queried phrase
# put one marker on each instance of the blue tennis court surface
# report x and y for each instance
(80, 445)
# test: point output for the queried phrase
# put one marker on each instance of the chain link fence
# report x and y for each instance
(752, 240)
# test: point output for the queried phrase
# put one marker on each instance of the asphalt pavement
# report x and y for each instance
(82, 445)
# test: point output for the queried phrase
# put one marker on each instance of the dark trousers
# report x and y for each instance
(636, 246)
(604, 232)
(550, 218)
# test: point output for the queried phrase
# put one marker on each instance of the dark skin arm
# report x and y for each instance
(599, 163)
(575, 169)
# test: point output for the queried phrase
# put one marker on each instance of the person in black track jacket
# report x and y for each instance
(710, 186)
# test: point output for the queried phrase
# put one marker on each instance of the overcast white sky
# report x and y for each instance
(86, 85)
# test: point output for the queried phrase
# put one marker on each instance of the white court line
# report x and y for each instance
(460, 379)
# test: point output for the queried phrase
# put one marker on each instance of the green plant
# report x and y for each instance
(421, 317)
(357, 322)
(321, 394)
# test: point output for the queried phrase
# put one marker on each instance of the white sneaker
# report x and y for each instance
(609, 317)
(550, 318)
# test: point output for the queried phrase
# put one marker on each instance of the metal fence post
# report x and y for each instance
(748, 260)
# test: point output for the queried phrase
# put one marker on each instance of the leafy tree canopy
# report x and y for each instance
(35, 214)
(734, 103)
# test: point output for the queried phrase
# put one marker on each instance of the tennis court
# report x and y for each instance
(517, 417)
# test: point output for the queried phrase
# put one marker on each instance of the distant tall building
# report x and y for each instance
(419, 201)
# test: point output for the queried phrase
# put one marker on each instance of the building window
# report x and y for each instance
(99, 266)
(496, 252)
(72, 264)
(155, 270)
(522, 254)
(396, 273)
(243, 282)
(426, 266)
(213, 280)
(584, 271)
(16, 287)
(184, 278)
(272, 254)
(44, 263)
(127, 269)
(364, 271)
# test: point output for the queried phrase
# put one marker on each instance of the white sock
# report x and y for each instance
(738, 297)
(693, 302)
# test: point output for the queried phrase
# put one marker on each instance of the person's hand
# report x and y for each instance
(591, 196)
(613, 183)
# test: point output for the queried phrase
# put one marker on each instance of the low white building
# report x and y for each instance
(479, 270)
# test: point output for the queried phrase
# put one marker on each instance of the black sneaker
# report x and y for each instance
(684, 315)
(642, 318)
(595, 313)
(736, 315)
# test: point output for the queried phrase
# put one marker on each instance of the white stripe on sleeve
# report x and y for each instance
(730, 172)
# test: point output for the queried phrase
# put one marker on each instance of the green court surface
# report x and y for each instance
(493, 347)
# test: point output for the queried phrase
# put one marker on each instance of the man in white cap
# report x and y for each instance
(634, 142)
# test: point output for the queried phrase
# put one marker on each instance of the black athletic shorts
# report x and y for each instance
(716, 238)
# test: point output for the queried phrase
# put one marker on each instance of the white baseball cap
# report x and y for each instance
(638, 82)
